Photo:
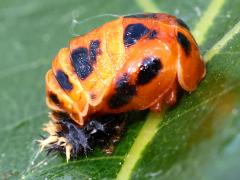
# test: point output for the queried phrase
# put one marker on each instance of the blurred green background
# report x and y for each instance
(197, 139)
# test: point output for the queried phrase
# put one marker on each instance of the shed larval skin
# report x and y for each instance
(132, 63)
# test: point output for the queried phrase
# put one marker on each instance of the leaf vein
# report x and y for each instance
(218, 46)
(78, 161)
(207, 19)
(207, 100)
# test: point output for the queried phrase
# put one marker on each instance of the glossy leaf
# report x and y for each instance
(197, 139)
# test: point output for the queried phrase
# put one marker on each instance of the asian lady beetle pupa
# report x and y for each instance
(135, 62)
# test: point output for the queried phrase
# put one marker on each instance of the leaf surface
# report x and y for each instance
(197, 139)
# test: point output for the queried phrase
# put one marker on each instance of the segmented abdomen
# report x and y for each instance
(81, 74)
(132, 63)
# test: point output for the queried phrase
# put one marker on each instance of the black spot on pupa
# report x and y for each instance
(133, 33)
(182, 24)
(53, 97)
(152, 34)
(148, 70)
(124, 92)
(94, 50)
(149, 15)
(80, 62)
(63, 80)
(184, 42)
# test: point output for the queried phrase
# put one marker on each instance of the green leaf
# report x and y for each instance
(197, 139)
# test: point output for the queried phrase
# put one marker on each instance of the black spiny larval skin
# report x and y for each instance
(98, 132)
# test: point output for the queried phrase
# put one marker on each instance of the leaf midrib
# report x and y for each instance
(126, 170)
(189, 110)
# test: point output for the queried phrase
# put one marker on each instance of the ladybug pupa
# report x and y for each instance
(133, 63)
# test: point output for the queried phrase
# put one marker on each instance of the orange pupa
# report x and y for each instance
(133, 63)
